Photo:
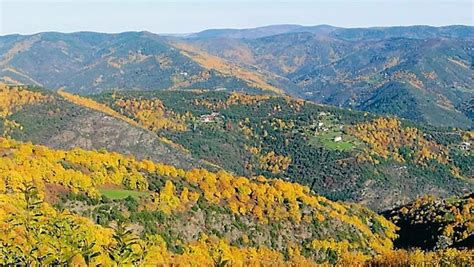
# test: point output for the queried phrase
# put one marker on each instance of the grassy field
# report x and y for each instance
(327, 140)
(341, 145)
(120, 193)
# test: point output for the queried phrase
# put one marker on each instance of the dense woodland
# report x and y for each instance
(53, 213)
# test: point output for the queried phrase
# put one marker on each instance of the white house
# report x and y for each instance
(466, 146)
(209, 117)
(338, 139)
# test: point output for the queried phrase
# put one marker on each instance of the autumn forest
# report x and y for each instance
(277, 146)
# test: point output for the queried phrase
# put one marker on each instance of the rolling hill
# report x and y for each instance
(204, 177)
(418, 72)
(378, 161)
(87, 62)
(418, 32)
(47, 118)
(353, 67)
(343, 155)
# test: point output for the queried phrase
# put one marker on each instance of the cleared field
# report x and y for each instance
(330, 144)
(120, 193)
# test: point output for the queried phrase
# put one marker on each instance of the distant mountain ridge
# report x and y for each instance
(418, 31)
(88, 62)
(422, 73)
(429, 68)
(253, 33)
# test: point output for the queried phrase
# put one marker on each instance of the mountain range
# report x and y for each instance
(220, 164)
(419, 73)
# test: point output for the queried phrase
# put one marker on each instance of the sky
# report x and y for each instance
(185, 16)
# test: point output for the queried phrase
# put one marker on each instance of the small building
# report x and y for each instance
(209, 117)
(320, 124)
(206, 118)
(338, 139)
(466, 146)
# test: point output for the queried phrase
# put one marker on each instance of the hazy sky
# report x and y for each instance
(182, 16)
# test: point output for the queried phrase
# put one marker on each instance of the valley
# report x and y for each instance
(282, 145)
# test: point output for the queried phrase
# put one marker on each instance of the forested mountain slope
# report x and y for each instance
(87, 62)
(75, 206)
(248, 213)
(419, 73)
(43, 117)
(56, 208)
(340, 154)
(385, 70)
(431, 223)
(344, 155)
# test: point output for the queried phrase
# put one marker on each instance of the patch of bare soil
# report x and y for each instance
(53, 191)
